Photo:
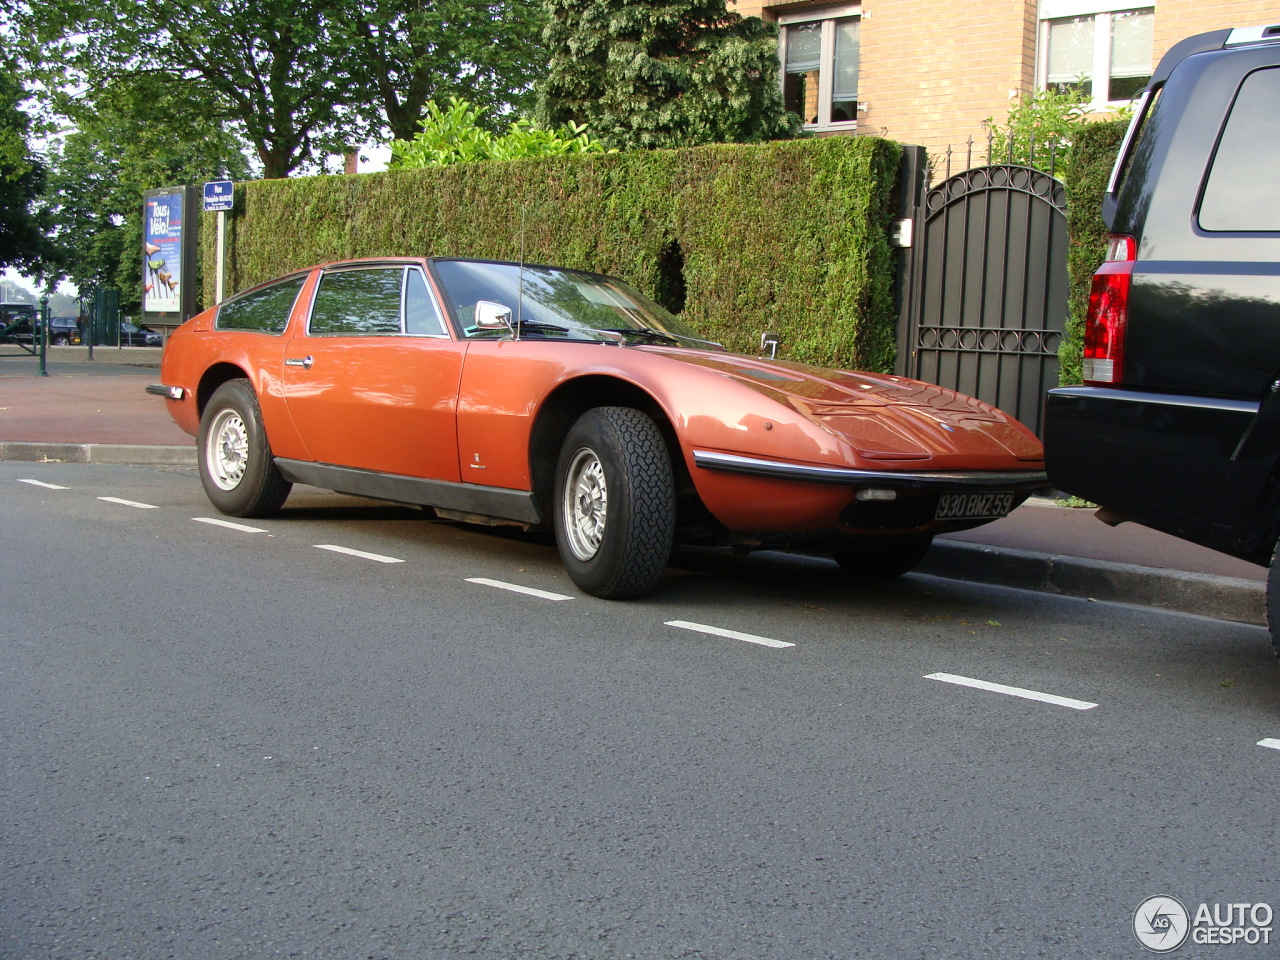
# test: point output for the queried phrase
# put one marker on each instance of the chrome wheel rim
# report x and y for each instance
(586, 501)
(228, 454)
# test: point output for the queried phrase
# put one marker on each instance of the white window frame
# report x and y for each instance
(1101, 11)
(826, 72)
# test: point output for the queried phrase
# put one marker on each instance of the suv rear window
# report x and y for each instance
(266, 310)
(1242, 191)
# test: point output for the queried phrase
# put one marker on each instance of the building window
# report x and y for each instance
(1100, 48)
(820, 65)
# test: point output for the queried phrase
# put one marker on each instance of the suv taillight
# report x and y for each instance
(1105, 327)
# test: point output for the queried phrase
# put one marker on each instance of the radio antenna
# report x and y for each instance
(520, 282)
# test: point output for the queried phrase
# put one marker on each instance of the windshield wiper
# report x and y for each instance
(648, 334)
(540, 325)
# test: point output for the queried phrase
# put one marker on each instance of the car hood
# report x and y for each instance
(883, 417)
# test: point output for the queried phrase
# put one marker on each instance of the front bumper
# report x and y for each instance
(1017, 480)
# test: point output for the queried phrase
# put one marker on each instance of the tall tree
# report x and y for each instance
(22, 241)
(276, 68)
(408, 55)
(126, 144)
(670, 73)
(302, 79)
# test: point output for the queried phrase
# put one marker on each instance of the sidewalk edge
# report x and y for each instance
(123, 453)
(1202, 594)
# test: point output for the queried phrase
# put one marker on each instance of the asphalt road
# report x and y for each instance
(224, 743)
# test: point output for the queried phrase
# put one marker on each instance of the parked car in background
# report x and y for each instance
(64, 330)
(18, 322)
(1177, 425)
(131, 335)
(544, 397)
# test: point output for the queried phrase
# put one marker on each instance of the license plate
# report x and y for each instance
(974, 506)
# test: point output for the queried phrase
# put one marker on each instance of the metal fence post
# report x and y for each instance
(44, 334)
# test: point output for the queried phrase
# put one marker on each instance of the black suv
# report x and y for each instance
(1178, 424)
(64, 330)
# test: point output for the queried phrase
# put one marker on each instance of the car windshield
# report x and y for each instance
(554, 304)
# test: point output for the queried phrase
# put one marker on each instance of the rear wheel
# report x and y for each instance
(236, 467)
(614, 506)
(883, 556)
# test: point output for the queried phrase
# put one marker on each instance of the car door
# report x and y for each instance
(371, 382)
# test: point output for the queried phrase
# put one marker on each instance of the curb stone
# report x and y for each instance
(1202, 594)
(124, 453)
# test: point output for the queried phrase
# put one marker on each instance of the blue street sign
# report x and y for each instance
(218, 195)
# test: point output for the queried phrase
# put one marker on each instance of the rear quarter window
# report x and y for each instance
(265, 311)
(1242, 188)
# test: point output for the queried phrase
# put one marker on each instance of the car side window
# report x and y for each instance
(1242, 191)
(421, 315)
(264, 310)
(358, 302)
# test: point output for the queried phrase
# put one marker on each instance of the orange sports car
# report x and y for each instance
(500, 392)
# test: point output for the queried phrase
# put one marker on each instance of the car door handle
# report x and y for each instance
(305, 363)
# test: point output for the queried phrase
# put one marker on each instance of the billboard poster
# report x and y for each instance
(163, 253)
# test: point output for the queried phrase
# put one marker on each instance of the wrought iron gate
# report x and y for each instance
(985, 295)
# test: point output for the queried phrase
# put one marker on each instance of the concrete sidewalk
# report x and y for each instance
(99, 412)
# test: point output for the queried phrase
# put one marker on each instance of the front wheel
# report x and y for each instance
(614, 507)
(883, 557)
(236, 467)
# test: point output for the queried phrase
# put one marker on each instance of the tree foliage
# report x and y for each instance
(301, 79)
(98, 172)
(272, 67)
(670, 73)
(407, 56)
(1041, 126)
(22, 241)
(455, 135)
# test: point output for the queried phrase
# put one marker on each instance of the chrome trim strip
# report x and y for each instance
(518, 505)
(163, 390)
(884, 479)
(1247, 407)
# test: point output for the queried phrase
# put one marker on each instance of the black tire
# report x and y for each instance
(614, 507)
(61, 340)
(236, 467)
(883, 557)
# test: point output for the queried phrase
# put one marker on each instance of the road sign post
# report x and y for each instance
(219, 196)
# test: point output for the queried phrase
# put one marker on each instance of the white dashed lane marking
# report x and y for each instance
(1054, 699)
(730, 634)
(130, 503)
(516, 588)
(41, 483)
(357, 553)
(1270, 742)
(217, 522)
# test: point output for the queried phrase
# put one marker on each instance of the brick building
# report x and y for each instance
(931, 72)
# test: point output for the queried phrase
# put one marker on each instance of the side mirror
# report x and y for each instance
(492, 316)
(769, 345)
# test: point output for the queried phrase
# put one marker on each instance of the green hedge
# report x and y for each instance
(790, 237)
(1087, 171)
